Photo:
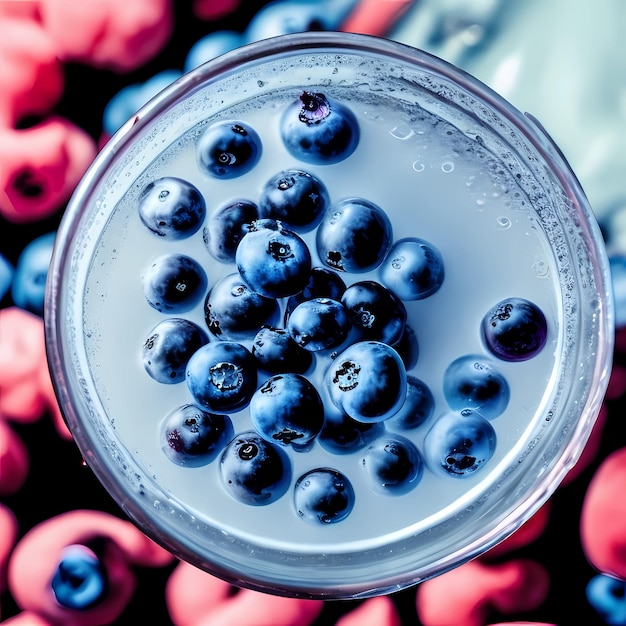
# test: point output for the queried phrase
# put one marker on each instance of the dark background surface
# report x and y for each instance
(58, 481)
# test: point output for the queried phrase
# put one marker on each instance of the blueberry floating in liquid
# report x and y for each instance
(458, 445)
(287, 410)
(168, 348)
(515, 329)
(222, 376)
(273, 260)
(192, 437)
(472, 383)
(174, 283)
(319, 130)
(172, 208)
(353, 236)
(253, 470)
(228, 149)
(323, 496)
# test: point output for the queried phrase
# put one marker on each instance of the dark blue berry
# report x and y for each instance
(319, 324)
(169, 347)
(341, 434)
(226, 226)
(471, 383)
(228, 149)
(459, 445)
(393, 465)
(174, 283)
(367, 381)
(287, 409)
(408, 348)
(80, 579)
(294, 197)
(319, 130)
(323, 283)
(418, 405)
(273, 260)
(276, 352)
(192, 437)
(235, 312)
(172, 208)
(376, 313)
(353, 236)
(515, 329)
(222, 376)
(413, 269)
(607, 595)
(28, 285)
(253, 470)
(323, 496)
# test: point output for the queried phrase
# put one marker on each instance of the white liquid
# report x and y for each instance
(433, 185)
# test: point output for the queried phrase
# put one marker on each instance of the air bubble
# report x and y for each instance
(503, 222)
(540, 268)
(418, 166)
(447, 167)
(402, 132)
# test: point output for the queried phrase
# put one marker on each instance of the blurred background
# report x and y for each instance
(71, 75)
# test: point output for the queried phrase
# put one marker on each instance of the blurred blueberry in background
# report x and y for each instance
(607, 596)
(31, 271)
(6, 275)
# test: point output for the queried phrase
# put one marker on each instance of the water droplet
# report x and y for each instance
(503, 222)
(540, 267)
(447, 167)
(418, 166)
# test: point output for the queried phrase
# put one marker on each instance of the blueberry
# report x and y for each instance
(323, 496)
(413, 269)
(458, 445)
(515, 329)
(319, 324)
(323, 283)
(80, 579)
(273, 260)
(226, 226)
(6, 275)
(210, 46)
(607, 595)
(471, 383)
(408, 348)
(376, 313)
(393, 465)
(222, 376)
(172, 208)
(192, 437)
(367, 381)
(297, 16)
(31, 271)
(295, 197)
(174, 283)
(234, 312)
(341, 434)
(418, 405)
(169, 347)
(317, 129)
(126, 102)
(353, 236)
(276, 352)
(228, 149)
(287, 409)
(253, 470)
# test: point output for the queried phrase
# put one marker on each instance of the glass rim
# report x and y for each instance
(276, 578)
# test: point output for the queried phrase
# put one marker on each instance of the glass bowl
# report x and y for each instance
(452, 166)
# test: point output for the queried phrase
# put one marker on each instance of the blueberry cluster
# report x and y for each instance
(279, 321)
